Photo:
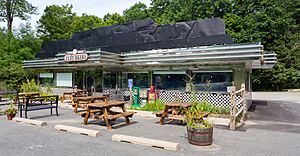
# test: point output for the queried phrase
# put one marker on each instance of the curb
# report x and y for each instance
(76, 130)
(29, 121)
(147, 142)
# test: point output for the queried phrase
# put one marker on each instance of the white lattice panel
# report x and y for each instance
(217, 99)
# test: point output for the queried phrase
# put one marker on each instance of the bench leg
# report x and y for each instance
(62, 98)
(87, 115)
(105, 116)
(25, 113)
(164, 115)
(126, 117)
(56, 111)
(127, 120)
(20, 111)
(51, 111)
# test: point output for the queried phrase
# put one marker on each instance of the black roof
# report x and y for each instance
(142, 35)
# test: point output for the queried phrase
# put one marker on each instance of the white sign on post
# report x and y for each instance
(130, 83)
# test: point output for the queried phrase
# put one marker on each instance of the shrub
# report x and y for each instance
(154, 106)
(194, 115)
(206, 106)
(30, 86)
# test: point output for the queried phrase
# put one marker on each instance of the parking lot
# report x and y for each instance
(273, 128)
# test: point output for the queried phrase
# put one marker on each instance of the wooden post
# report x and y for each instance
(232, 109)
(131, 99)
(243, 93)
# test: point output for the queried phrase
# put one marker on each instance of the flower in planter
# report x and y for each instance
(200, 131)
(11, 110)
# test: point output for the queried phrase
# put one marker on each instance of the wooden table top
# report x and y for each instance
(90, 97)
(106, 104)
(76, 91)
(178, 104)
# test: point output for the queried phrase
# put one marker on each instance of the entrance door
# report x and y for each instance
(90, 85)
(110, 80)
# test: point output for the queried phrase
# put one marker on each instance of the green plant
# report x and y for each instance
(154, 106)
(194, 116)
(10, 110)
(48, 89)
(30, 86)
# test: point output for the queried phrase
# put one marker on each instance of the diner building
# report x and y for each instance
(152, 55)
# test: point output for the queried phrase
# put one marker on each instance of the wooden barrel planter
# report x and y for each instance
(200, 136)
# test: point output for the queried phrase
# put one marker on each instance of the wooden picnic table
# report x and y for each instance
(86, 100)
(173, 111)
(70, 93)
(107, 114)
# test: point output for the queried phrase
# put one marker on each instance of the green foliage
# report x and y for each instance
(205, 106)
(202, 124)
(11, 109)
(14, 48)
(60, 22)
(154, 106)
(112, 19)
(56, 22)
(194, 115)
(86, 22)
(30, 86)
(138, 11)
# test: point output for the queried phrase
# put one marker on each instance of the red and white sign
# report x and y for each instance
(75, 56)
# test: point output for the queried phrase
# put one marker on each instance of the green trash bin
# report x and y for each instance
(136, 97)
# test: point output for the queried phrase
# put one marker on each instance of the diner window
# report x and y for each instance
(212, 81)
(139, 79)
(46, 78)
(64, 79)
(169, 80)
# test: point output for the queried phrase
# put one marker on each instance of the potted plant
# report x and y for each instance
(200, 131)
(11, 111)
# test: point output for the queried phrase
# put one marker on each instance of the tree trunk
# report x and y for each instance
(9, 16)
(9, 24)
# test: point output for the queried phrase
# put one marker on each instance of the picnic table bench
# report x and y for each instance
(86, 100)
(32, 103)
(106, 114)
(173, 111)
(69, 94)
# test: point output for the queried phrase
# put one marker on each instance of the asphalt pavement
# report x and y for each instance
(273, 128)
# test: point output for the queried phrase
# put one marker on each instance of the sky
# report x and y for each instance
(91, 7)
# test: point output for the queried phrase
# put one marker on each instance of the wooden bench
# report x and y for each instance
(123, 114)
(159, 114)
(39, 103)
(94, 111)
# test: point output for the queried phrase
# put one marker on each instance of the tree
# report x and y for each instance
(112, 19)
(164, 11)
(15, 8)
(14, 48)
(60, 22)
(138, 11)
(86, 22)
(56, 22)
